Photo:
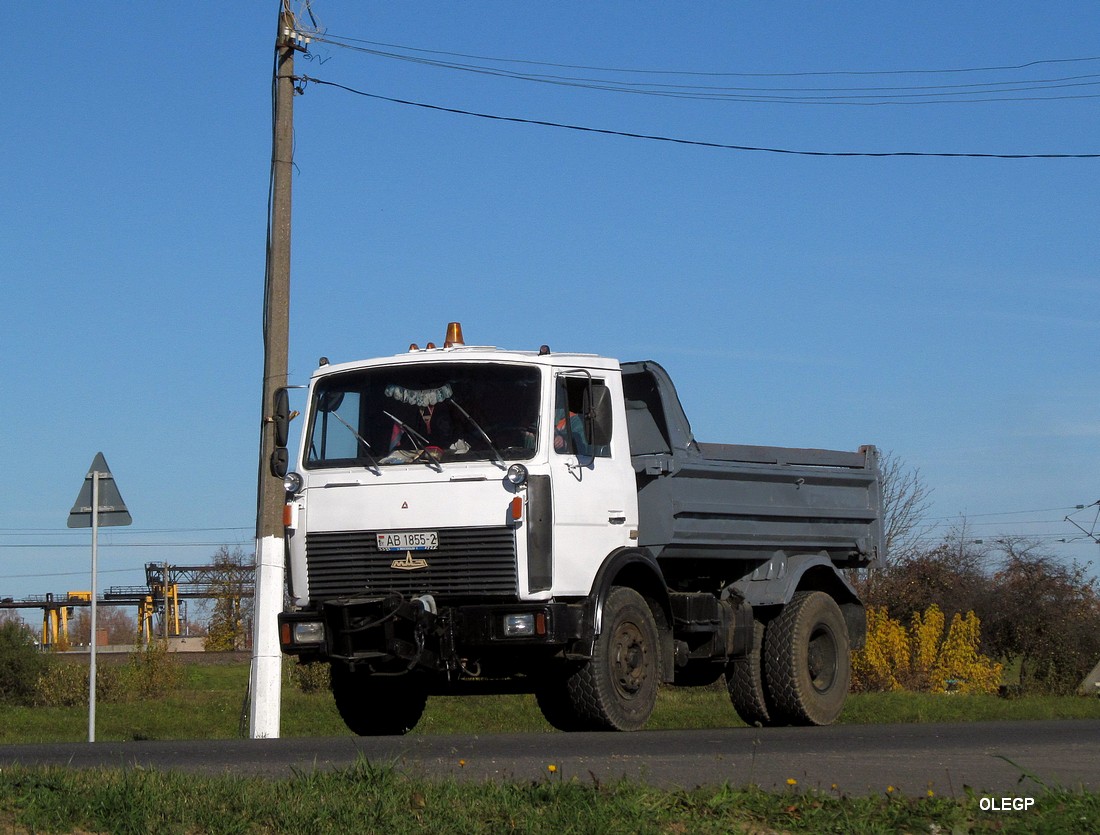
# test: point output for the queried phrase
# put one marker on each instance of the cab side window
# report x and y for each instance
(571, 431)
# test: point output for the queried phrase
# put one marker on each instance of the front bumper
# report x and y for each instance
(415, 633)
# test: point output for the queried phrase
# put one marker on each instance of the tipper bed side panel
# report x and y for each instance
(743, 502)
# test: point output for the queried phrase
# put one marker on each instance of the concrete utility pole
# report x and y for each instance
(266, 671)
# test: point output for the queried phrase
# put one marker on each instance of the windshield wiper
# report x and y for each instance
(422, 452)
(362, 440)
(499, 458)
(416, 436)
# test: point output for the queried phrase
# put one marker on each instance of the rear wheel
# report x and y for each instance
(807, 667)
(378, 705)
(746, 686)
(617, 688)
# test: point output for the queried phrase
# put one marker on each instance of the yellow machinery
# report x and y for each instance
(56, 615)
(166, 585)
(147, 608)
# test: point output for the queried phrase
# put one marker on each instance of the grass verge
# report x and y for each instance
(209, 702)
(365, 798)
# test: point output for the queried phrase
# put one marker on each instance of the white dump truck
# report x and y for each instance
(468, 519)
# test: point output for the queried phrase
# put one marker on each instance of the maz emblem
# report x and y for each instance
(409, 564)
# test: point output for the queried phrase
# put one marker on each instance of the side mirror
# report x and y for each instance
(597, 415)
(280, 462)
(281, 417)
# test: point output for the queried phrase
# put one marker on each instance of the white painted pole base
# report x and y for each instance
(266, 675)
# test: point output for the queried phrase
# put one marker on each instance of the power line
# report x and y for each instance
(931, 537)
(679, 141)
(69, 573)
(116, 545)
(338, 40)
(968, 516)
(990, 91)
(125, 532)
(969, 524)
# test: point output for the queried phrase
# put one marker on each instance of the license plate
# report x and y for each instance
(408, 541)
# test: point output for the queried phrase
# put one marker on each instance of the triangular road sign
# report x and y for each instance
(112, 510)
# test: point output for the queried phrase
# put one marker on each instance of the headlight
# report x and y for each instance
(517, 475)
(292, 482)
(519, 626)
(309, 632)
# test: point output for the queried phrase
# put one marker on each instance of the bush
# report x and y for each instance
(885, 655)
(959, 666)
(310, 677)
(63, 684)
(946, 576)
(1036, 611)
(21, 664)
(922, 658)
(152, 672)
(147, 674)
(1048, 618)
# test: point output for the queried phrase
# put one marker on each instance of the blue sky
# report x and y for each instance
(941, 308)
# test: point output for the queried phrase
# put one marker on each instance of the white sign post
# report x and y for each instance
(98, 503)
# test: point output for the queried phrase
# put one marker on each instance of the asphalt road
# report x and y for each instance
(989, 757)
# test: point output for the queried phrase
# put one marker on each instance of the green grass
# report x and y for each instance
(878, 708)
(366, 798)
(216, 693)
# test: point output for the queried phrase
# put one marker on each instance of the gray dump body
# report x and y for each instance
(758, 506)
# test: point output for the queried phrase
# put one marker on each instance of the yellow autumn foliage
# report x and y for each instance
(877, 666)
(959, 660)
(922, 658)
(925, 638)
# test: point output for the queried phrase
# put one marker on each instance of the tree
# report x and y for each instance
(230, 621)
(949, 575)
(21, 664)
(1047, 615)
(12, 616)
(112, 622)
(905, 502)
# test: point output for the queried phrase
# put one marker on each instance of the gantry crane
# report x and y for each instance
(165, 586)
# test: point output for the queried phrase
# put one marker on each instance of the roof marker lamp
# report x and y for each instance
(454, 335)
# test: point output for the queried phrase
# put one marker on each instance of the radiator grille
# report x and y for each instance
(469, 562)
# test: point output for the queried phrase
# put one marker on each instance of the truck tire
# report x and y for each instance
(553, 699)
(617, 688)
(806, 660)
(745, 683)
(378, 705)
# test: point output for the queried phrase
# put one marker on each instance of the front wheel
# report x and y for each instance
(553, 698)
(806, 660)
(378, 705)
(617, 688)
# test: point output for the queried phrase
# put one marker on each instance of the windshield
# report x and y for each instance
(424, 413)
